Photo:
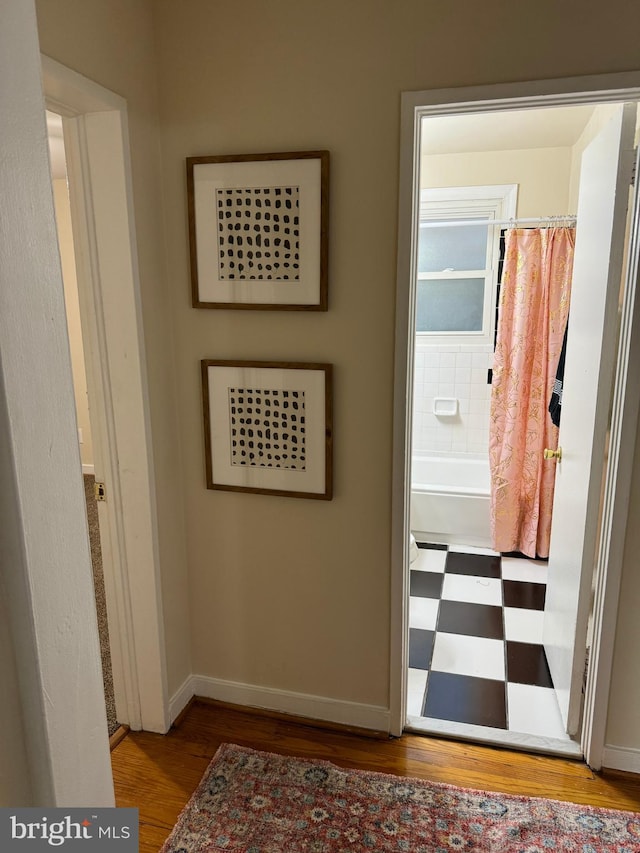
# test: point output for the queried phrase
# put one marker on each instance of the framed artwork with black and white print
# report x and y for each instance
(268, 427)
(258, 230)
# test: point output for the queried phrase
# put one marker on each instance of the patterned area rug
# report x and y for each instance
(256, 802)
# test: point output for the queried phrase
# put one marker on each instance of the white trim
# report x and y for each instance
(89, 469)
(495, 737)
(594, 89)
(408, 211)
(621, 758)
(495, 202)
(356, 714)
(45, 560)
(71, 94)
(181, 698)
(561, 91)
(615, 512)
(96, 137)
(500, 195)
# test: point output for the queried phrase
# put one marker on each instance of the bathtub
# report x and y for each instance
(450, 497)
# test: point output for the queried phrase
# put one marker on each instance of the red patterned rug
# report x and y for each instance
(256, 802)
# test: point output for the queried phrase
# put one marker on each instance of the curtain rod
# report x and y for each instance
(557, 221)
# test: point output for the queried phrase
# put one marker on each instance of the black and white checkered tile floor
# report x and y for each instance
(475, 641)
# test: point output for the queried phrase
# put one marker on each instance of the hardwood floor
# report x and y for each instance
(158, 773)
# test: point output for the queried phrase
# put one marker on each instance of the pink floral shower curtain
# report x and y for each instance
(533, 311)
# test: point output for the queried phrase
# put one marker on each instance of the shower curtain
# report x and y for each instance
(532, 317)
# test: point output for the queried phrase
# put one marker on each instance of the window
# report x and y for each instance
(457, 262)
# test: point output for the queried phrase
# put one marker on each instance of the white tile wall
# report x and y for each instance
(459, 372)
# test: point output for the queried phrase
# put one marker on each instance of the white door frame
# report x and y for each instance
(547, 93)
(45, 561)
(96, 144)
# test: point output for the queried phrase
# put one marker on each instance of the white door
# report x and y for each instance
(591, 347)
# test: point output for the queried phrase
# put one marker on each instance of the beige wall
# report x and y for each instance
(542, 175)
(111, 42)
(289, 593)
(67, 258)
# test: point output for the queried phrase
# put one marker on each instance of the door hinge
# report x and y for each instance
(100, 491)
(634, 167)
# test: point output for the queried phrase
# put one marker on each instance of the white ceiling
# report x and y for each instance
(56, 145)
(554, 127)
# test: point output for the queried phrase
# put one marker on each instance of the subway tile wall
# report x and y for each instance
(452, 371)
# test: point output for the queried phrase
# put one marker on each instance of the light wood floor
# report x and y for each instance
(158, 773)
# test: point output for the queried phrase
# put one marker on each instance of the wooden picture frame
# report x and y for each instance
(268, 427)
(258, 231)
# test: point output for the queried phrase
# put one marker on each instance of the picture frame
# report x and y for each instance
(268, 427)
(258, 231)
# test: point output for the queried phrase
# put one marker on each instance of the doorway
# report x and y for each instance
(471, 146)
(95, 137)
(76, 345)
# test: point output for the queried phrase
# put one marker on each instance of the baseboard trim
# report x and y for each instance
(180, 699)
(88, 469)
(621, 758)
(118, 736)
(321, 708)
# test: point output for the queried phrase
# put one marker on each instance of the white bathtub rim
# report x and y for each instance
(445, 490)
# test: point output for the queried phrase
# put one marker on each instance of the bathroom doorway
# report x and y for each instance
(475, 658)
(95, 133)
